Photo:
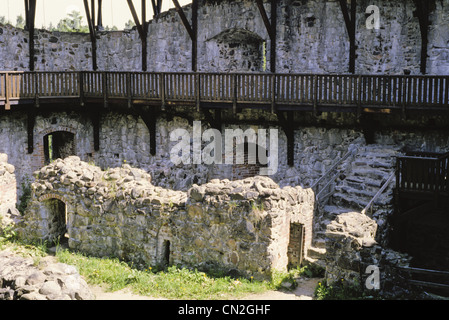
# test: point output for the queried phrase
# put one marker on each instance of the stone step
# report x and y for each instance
(316, 253)
(373, 174)
(319, 242)
(356, 192)
(350, 202)
(329, 212)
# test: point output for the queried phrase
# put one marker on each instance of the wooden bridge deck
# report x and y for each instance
(301, 92)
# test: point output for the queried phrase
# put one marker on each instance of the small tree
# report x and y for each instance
(20, 22)
(72, 23)
(129, 25)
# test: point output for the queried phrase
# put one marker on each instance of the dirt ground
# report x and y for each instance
(304, 291)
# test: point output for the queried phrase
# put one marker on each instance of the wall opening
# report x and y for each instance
(58, 144)
(237, 50)
(295, 251)
(57, 219)
(165, 253)
(252, 153)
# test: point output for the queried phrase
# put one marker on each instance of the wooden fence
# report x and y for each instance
(341, 90)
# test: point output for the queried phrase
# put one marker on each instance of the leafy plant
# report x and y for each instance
(25, 197)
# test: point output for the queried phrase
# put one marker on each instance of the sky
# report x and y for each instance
(115, 12)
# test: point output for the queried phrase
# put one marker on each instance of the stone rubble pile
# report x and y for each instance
(21, 279)
(351, 248)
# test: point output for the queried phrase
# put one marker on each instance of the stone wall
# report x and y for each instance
(353, 255)
(8, 193)
(236, 225)
(311, 37)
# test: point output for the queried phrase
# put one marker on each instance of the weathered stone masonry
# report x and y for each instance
(242, 225)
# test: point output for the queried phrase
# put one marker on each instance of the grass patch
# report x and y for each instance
(340, 290)
(171, 283)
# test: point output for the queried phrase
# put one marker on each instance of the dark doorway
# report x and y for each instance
(165, 253)
(59, 144)
(57, 219)
(295, 251)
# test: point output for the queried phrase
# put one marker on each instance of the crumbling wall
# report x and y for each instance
(8, 192)
(236, 225)
(353, 255)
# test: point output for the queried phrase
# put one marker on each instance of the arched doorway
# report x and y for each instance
(58, 144)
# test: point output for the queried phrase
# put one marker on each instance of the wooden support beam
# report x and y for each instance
(100, 15)
(144, 40)
(195, 35)
(192, 30)
(149, 116)
(93, 35)
(287, 124)
(31, 121)
(142, 29)
(422, 12)
(273, 47)
(95, 116)
(271, 29)
(351, 27)
(155, 8)
(30, 16)
(184, 20)
(92, 16)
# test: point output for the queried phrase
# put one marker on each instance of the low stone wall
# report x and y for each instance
(353, 255)
(236, 225)
(8, 190)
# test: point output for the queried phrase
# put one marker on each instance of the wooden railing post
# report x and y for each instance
(81, 87)
(273, 93)
(162, 89)
(7, 86)
(129, 89)
(234, 99)
(315, 94)
(197, 91)
(36, 87)
(105, 88)
(359, 96)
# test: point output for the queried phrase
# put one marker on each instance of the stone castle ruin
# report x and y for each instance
(361, 115)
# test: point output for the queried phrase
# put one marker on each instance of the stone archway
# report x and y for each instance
(54, 210)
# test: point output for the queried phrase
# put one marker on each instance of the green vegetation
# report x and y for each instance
(25, 197)
(340, 290)
(171, 283)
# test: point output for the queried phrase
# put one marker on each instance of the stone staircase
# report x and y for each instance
(370, 169)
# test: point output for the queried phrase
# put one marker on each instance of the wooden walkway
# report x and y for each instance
(275, 92)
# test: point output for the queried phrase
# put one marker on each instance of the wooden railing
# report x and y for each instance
(324, 183)
(339, 90)
(423, 172)
(369, 207)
